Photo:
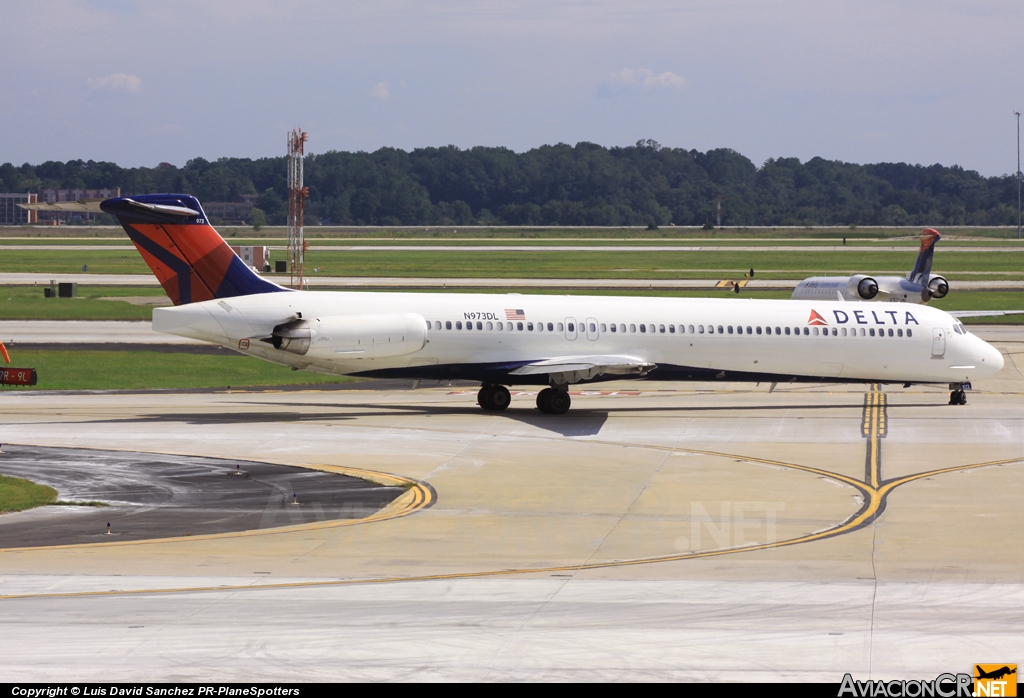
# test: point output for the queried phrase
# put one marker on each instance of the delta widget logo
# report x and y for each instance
(816, 319)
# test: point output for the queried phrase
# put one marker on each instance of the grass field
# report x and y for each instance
(17, 494)
(28, 303)
(130, 370)
(237, 233)
(769, 264)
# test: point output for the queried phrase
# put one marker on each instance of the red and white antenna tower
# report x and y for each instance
(296, 204)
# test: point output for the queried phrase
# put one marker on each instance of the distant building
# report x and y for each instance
(10, 214)
(231, 212)
(53, 196)
(255, 256)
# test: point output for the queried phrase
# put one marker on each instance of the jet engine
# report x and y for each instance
(352, 336)
(938, 286)
(863, 287)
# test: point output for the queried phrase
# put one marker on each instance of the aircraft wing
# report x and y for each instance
(984, 313)
(578, 368)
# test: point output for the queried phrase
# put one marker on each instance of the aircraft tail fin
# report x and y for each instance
(188, 257)
(923, 266)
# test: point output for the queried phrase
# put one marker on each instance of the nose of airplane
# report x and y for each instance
(990, 358)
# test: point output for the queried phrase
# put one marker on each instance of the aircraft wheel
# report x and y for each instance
(500, 398)
(559, 402)
(483, 397)
(958, 397)
(544, 400)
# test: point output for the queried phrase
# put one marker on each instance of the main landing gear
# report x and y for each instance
(957, 394)
(553, 401)
(494, 398)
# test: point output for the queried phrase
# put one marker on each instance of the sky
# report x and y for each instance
(139, 83)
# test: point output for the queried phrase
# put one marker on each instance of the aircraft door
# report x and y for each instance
(592, 329)
(570, 328)
(938, 342)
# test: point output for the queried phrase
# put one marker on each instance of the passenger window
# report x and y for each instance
(661, 329)
(815, 331)
(711, 329)
(572, 327)
(469, 325)
(551, 327)
(672, 329)
(779, 331)
(632, 327)
(508, 327)
(458, 324)
(862, 333)
(835, 332)
(593, 327)
(529, 327)
(490, 325)
(622, 328)
(479, 325)
(872, 331)
(909, 333)
(787, 330)
(700, 329)
(501, 326)
(560, 326)
(519, 326)
(613, 327)
(730, 329)
(758, 329)
(691, 329)
(899, 333)
(890, 332)
(720, 329)
(603, 328)
(447, 324)
(643, 328)
(749, 330)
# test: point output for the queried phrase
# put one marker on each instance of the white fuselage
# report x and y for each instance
(688, 338)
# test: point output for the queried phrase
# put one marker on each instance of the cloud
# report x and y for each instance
(380, 91)
(647, 79)
(118, 82)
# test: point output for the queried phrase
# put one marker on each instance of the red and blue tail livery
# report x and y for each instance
(188, 257)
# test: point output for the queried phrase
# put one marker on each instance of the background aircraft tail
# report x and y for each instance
(188, 257)
(923, 267)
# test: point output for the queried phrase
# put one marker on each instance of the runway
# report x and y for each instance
(657, 531)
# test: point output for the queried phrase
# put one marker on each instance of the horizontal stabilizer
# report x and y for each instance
(82, 206)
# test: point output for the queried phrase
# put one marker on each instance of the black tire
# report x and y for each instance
(500, 398)
(544, 400)
(483, 398)
(963, 397)
(953, 399)
(559, 402)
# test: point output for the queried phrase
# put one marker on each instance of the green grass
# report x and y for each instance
(131, 370)
(28, 303)
(238, 234)
(557, 264)
(17, 494)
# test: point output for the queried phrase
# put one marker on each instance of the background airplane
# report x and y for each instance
(918, 286)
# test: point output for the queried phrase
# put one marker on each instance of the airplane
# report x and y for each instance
(995, 674)
(918, 286)
(502, 340)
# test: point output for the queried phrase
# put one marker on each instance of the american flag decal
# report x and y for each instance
(514, 314)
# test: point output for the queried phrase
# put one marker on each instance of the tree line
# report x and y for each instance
(585, 184)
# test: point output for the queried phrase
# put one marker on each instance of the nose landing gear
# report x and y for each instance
(957, 394)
